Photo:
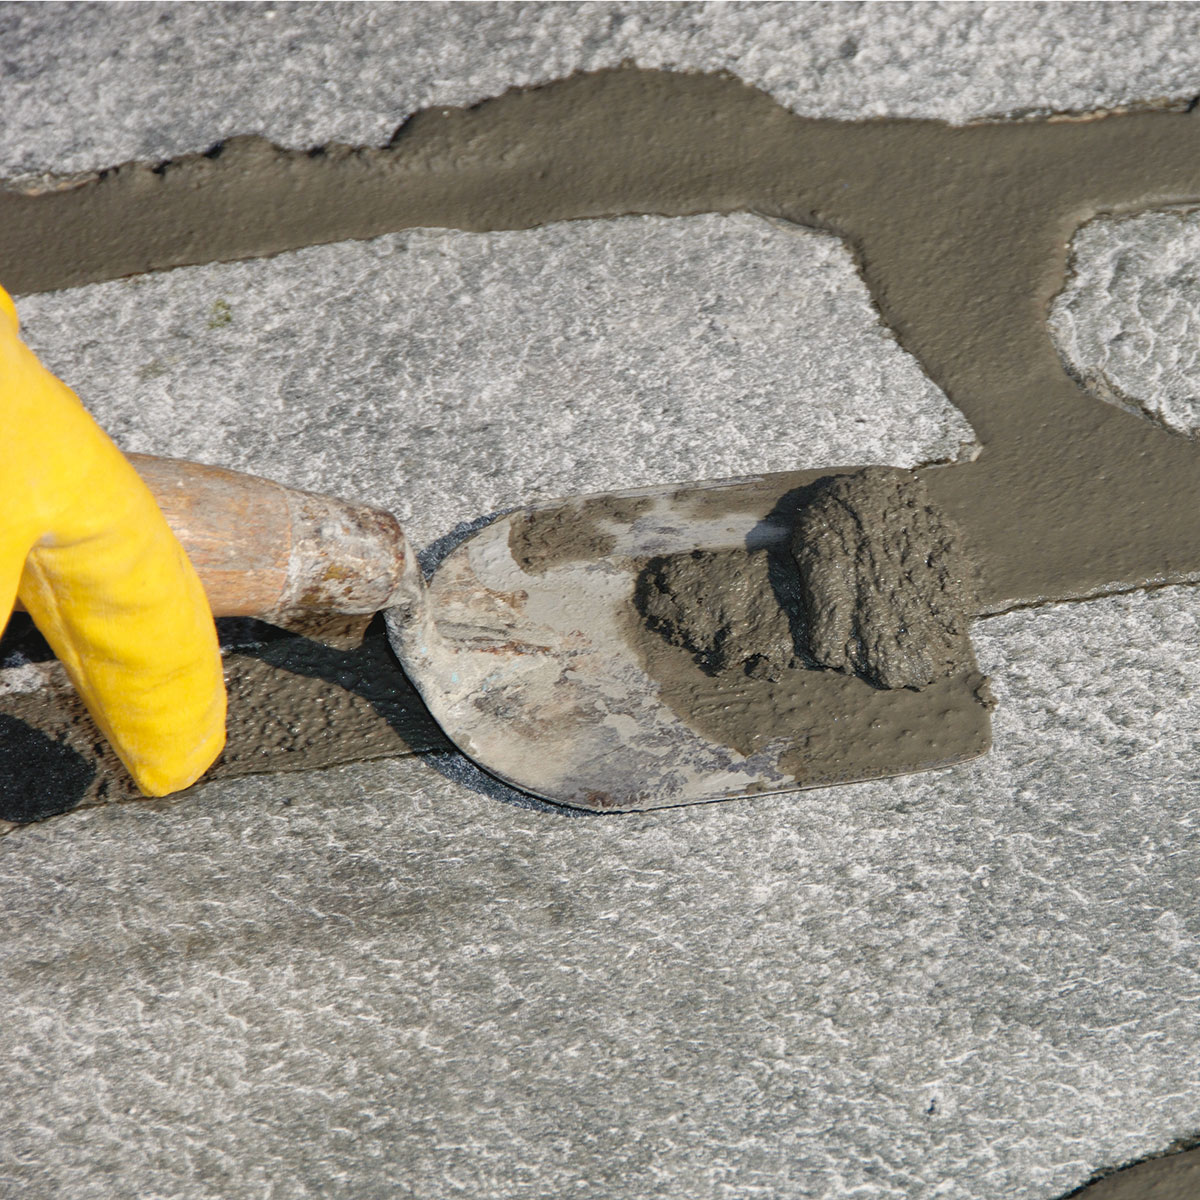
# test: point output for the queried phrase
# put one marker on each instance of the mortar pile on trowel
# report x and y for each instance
(653, 647)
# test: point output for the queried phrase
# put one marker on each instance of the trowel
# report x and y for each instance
(527, 648)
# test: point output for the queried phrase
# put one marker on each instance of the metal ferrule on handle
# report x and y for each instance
(265, 550)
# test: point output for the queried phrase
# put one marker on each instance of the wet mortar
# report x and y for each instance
(849, 643)
(722, 634)
(837, 726)
(872, 583)
(961, 234)
(1174, 1175)
(885, 586)
(732, 610)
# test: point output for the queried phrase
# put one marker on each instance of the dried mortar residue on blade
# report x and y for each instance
(542, 538)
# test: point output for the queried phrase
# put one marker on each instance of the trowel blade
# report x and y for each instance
(536, 665)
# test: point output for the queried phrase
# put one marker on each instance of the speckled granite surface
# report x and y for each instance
(304, 74)
(1127, 324)
(375, 981)
(442, 375)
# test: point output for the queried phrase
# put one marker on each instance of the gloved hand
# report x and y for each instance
(84, 545)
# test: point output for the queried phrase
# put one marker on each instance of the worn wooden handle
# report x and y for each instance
(265, 550)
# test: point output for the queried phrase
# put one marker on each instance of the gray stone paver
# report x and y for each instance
(442, 375)
(1128, 319)
(90, 85)
(377, 981)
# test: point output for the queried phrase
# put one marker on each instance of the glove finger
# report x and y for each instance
(123, 610)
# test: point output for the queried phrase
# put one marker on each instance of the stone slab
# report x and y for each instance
(381, 981)
(1127, 324)
(396, 979)
(443, 375)
(87, 86)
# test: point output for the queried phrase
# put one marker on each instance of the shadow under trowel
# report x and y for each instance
(40, 776)
(294, 704)
(459, 769)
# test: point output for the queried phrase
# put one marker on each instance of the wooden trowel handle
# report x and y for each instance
(265, 550)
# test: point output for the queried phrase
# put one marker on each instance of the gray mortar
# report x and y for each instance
(294, 705)
(886, 587)
(721, 607)
(1174, 1176)
(876, 584)
(962, 270)
(872, 584)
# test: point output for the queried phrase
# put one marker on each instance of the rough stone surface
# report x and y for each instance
(1128, 322)
(441, 374)
(90, 85)
(376, 981)
(886, 590)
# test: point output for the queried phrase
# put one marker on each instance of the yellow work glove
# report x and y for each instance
(84, 545)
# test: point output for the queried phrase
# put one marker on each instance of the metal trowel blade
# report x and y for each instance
(531, 655)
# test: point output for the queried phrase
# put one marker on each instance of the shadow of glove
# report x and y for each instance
(84, 545)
